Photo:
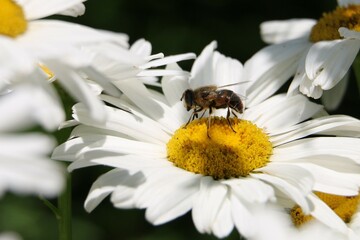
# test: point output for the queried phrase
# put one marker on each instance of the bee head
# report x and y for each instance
(188, 97)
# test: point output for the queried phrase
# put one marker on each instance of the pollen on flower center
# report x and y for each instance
(328, 25)
(12, 19)
(344, 206)
(226, 154)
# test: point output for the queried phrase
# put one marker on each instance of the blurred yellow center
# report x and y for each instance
(344, 206)
(12, 19)
(226, 154)
(328, 26)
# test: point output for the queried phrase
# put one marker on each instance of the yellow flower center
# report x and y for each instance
(12, 19)
(327, 27)
(344, 206)
(225, 154)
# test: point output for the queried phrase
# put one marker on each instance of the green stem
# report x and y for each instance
(51, 207)
(356, 68)
(64, 208)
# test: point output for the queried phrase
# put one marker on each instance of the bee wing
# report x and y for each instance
(242, 97)
(232, 84)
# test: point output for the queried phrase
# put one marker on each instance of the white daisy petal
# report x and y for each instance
(242, 216)
(201, 72)
(25, 168)
(162, 72)
(106, 184)
(269, 83)
(223, 223)
(83, 130)
(33, 144)
(349, 34)
(168, 60)
(323, 125)
(271, 221)
(285, 30)
(226, 70)
(291, 173)
(326, 69)
(141, 47)
(207, 203)
(308, 88)
(285, 112)
(336, 163)
(128, 108)
(174, 200)
(174, 87)
(148, 194)
(33, 175)
(292, 191)
(332, 182)
(347, 2)
(271, 67)
(271, 56)
(123, 195)
(76, 86)
(80, 163)
(102, 80)
(114, 60)
(127, 161)
(328, 217)
(133, 125)
(31, 103)
(79, 146)
(310, 147)
(299, 77)
(74, 11)
(36, 9)
(138, 93)
(11, 58)
(54, 31)
(332, 98)
(252, 190)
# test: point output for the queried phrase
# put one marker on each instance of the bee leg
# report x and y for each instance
(209, 123)
(192, 116)
(202, 114)
(228, 119)
(234, 114)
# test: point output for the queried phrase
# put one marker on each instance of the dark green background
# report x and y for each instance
(172, 27)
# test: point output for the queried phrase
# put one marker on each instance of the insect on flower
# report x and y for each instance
(212, 97)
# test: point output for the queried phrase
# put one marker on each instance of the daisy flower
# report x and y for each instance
(318, 53)
(25, 167)
(29, 44)
(221, 173)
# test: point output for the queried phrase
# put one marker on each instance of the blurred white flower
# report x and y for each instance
(25, 166)
(29, 44)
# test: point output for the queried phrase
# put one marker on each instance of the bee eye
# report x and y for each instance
(189, 99)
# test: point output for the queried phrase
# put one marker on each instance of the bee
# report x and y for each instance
(212, 97)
